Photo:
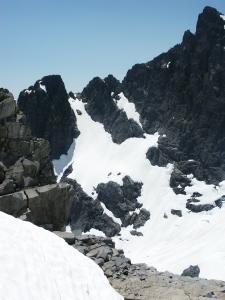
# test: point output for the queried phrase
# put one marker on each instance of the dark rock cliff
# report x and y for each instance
(27, 181)
(181, 93)
(49, 114)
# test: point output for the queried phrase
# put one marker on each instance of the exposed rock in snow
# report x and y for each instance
(87, 213)
(192, 271)
(120, 200)
(99, 96)
(36, 264)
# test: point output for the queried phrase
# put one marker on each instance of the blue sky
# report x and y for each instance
(87, 38)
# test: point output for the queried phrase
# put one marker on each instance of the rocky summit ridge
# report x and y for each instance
(180, 94)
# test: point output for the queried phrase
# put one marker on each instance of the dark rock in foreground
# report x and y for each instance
(47, 206)
(49, 114)
(192, 271)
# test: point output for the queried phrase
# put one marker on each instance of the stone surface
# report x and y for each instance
(67, 236)
(7, 104)
(14, 204)
(50, 205)
(148, 284)
(140, 282)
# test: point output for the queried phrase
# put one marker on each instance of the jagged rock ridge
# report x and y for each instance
(181, 94)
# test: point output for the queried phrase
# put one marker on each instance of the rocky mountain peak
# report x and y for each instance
(49, 114)
(181, 94)
(53, 84)
(112, 83)
(210, 24)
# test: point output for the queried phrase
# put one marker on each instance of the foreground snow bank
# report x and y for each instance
(36, 264)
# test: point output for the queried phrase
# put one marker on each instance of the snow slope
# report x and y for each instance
(171, 243)
(36, 264)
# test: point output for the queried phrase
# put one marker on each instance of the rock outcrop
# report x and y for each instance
(87, 213)
(180, 94)
(27, 181)
(192, 271)
(49, 114)
(99, 95)
(122, 201)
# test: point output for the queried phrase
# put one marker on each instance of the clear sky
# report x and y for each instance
(80, 39)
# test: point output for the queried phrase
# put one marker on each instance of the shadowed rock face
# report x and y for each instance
(181, 93)
(49, 114)
(27, 180)
(102, 108)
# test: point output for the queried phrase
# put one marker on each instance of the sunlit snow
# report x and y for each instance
(171, 243)
(61, 164)
(36, 264)
(42, 86)
(223, 17)
(129, 108)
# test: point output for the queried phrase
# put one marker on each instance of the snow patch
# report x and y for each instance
(28, 92)
(128, 107)
(60, 165)
(223, 17)
(110, 214)
(36, 264)
(42, 86)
